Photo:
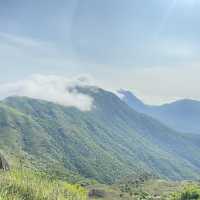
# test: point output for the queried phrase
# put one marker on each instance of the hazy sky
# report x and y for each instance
(149, 46)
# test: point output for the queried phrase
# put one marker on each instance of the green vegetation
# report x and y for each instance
(181, 115)
(35, 185)
(189, 192)
(29, 185)
(109, 142)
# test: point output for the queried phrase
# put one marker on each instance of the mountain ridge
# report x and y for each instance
(106, 143)
(182, 115)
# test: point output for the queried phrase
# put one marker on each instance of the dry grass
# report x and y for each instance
(28, 185)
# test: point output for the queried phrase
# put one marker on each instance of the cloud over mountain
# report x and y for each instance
(56, 89)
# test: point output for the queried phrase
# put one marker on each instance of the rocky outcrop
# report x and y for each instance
(96, 193)
(3, 163)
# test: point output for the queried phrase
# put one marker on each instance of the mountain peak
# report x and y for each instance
(129, 98)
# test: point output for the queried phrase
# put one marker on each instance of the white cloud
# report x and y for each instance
(50, 88)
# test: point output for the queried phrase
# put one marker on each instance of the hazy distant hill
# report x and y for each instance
(110, 141)
(182, 115)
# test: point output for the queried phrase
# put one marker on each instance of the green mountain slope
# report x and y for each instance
(182, 115)
(106, 143)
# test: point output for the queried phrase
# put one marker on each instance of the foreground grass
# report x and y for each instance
(28, 185)
(189, 192)
(33, 185)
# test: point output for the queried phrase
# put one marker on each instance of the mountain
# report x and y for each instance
(131, 100)
(108, 142)
(182, 115)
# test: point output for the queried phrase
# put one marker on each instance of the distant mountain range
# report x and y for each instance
(182, 115)
(108, 142)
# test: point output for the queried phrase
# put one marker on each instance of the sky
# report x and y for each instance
(150, 47)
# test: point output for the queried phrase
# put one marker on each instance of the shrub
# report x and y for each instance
(190, 192)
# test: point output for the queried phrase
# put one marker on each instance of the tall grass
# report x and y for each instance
(189, 192)
(29, 185)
